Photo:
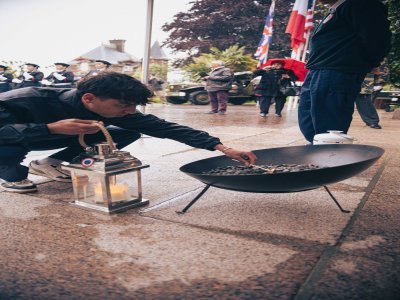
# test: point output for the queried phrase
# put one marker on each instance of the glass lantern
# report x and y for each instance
(100, 179)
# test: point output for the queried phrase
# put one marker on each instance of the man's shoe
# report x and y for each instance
(278, 115)
(23, 186)
(375, 126)
(221, 113)
(210, 112)
(50, 171)
(263, 115)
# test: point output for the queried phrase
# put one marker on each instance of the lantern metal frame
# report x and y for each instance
(104, 162)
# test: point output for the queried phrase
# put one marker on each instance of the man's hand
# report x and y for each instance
(246, 157)
(73, 127)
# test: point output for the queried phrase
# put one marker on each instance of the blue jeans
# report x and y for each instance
(327, 101)
(11, 156)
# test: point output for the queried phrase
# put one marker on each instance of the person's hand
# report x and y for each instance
(285, 76)
(73, 127)
(58, 76)
(246, 157)
(45, 82)
(27, 76)
(206, 77)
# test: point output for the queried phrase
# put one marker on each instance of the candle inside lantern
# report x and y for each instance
(119, 192)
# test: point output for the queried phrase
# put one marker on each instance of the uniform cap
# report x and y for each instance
(33, 65)
(104, 62)
(62, 64)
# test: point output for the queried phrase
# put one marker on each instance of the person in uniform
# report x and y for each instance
(61, 78)
(371, 85)
(101, 66)
(5, 79)
(47, 118)
(30, 77)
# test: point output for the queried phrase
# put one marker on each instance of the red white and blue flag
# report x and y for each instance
(265, 42)
(300, 23)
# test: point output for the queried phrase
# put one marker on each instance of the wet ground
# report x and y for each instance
(230, 245)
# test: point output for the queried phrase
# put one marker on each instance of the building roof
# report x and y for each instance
(156, 52)
(108, 53)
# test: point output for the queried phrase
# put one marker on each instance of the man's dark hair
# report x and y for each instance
(122, 87)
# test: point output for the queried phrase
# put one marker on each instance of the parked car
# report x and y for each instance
(242, 91)
(388, 100)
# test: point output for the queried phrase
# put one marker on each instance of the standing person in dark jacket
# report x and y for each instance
(349, 42)
(30, 77)
(218, 83)
(272, 78)
(101, 66)
(61, 78)
(46, 118)
(5, 79)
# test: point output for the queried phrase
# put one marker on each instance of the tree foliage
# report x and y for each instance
(221, 24)
(234, 57)
(394, 55)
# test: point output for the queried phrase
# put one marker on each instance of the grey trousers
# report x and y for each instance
(366, 109)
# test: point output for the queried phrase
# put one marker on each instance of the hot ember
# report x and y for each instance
(261, 169)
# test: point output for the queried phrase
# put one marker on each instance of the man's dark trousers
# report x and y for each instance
(327, 101)
(11, 156)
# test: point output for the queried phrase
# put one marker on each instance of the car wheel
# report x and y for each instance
(238, 101)
(199, 98)
(176, 100)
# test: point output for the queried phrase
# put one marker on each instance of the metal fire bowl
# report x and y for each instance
(341, 161)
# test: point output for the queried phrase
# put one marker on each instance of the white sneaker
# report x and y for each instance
(50, 171)
(23, 186)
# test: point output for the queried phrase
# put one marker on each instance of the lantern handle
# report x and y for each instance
(106, 134)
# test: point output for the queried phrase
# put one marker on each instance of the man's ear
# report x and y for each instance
(88, 98)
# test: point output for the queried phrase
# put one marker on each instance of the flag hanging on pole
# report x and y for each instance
(300, 25)
(265, 42)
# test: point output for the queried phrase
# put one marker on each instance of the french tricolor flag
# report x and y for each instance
(300, 22)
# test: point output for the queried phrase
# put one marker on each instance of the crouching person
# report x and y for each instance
(43, 119)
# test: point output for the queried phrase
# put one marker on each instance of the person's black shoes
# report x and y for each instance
(375, 126)
(210, 112)
(23, 186)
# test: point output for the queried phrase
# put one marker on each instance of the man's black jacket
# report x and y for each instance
(355, 38)
(25, 112)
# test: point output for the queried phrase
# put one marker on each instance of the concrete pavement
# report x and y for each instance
(230, 245)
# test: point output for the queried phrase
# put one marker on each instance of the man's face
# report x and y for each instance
(108, 108)
(277, 66)
(100, 65)
(29, 68)
(60, 68)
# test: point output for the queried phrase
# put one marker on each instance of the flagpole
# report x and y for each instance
(308, 38)
(266, 55)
